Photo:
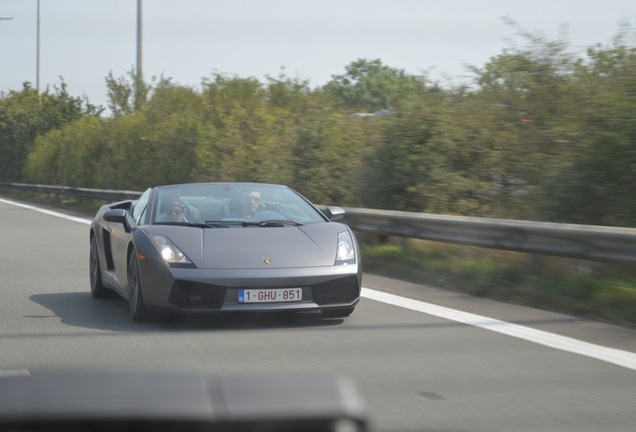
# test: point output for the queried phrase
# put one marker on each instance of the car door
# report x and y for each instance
(121, 237)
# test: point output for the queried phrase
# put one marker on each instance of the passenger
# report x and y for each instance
(177, 212)
(173, 209)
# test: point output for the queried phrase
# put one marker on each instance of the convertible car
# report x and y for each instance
(224, 247)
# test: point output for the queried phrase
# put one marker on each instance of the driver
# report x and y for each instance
(251, 203)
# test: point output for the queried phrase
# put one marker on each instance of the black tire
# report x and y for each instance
(337, 313)
(135, 297)
(98, 290)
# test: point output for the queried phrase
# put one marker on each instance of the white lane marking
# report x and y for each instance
(48, 212)
(618, 357)
(13, 373)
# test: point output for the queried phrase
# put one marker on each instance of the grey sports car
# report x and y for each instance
(224, 247)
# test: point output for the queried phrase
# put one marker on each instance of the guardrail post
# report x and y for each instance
(535, 263)
(405, 244)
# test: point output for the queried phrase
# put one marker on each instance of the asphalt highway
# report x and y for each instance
(424, 359)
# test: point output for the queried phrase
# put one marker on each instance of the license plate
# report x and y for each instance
(276, 295)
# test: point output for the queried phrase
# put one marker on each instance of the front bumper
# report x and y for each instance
(196, 290)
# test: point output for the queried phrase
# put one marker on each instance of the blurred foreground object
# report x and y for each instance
(158, 402)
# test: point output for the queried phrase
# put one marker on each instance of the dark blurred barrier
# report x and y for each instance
(167, 401)
(566, 240)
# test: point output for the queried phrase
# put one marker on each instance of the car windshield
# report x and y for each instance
(233, 205)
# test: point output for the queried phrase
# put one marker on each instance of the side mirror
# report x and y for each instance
(334, 213)
(117, 216)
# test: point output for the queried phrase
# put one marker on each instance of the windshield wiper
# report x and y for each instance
(224, 223)
(194, 225)
(272, 223)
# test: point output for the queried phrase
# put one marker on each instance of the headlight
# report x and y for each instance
(345, 253)
(170, 253)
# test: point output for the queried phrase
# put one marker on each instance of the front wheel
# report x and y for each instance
(98, 290)
(135, 297)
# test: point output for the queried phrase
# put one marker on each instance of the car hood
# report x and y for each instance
(256, 247)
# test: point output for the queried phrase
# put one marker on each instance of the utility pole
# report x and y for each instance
(139, 40)
(37, 54)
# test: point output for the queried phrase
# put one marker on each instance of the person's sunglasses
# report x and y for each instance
(176, 212)
(252, 199)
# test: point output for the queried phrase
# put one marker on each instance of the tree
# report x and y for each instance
(527, 101)
(369, 85)
(595, 182)
(127, 95)
(72, 155)
(27, 114)
(400, 170)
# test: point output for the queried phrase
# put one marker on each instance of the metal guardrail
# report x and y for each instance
(589, 242)
(596, 243)
(84, 193)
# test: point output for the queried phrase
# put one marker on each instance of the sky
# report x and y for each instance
(82, 41)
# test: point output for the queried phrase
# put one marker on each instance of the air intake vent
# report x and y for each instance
(339, 291)
(192, 295)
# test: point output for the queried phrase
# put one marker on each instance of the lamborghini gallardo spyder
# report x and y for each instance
(224, 247)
